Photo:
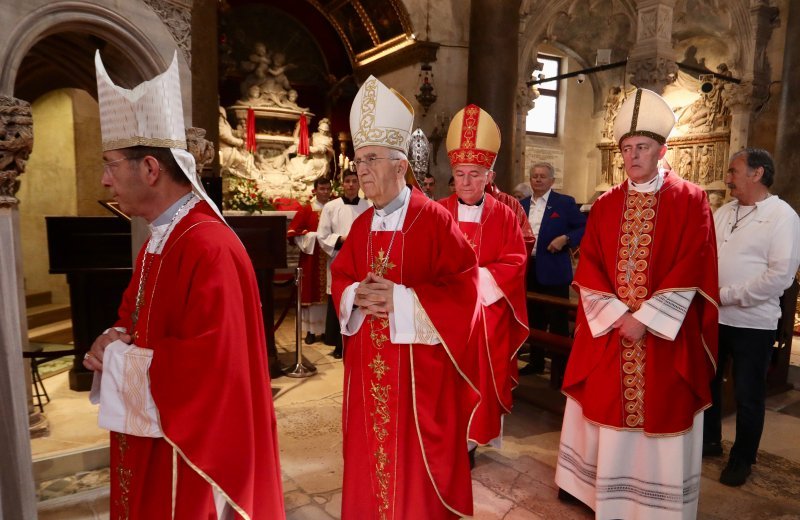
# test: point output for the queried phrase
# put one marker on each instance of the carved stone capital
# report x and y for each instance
(526, 95)
(201, 148)
(738, 98)
(653, 73)
(16, 143)
(177, 17)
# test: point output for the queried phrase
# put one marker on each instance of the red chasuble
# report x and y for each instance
(519, 212)
(314, 265)
(407, 407)
(636, 246)
(503, 326)
(202, 318)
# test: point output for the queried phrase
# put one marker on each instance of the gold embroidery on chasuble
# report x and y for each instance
(380, 393)
(469, 240)
(633, 256)
(124, 475)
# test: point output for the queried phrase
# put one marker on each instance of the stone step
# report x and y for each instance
(48, 313)
(38, 298)
(59, 332)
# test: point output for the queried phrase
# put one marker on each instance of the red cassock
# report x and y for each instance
(305, 221)
(407, 407)
(503, 326)
(519, 212)
(208, 378)
(656, 386)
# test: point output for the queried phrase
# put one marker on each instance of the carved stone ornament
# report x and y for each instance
(653, 73)
(16, 143)
(178, 19)
(201, 148)
(526, 97)
(738, 97)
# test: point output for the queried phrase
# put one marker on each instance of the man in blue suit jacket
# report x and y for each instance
(558, 226)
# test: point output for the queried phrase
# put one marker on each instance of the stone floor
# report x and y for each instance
(515, 482)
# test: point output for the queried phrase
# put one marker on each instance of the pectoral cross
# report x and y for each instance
(381, 264)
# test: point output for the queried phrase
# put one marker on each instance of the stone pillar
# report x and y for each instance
(787, 153)
(738, 98)
(492, 74)
(205, 82)
(17, 496)
(651, 63)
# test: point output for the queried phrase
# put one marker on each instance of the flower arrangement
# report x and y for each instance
(243, 194)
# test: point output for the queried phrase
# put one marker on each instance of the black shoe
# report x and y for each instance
(712, 449)
(310, 338)
(735, 473)
(472, 458)
(567, 498)
(337, 354)
(532, 368)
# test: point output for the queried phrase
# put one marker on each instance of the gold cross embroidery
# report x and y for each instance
(379, 366)
(381, 264)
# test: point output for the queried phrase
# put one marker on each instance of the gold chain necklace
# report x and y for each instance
(148, 262)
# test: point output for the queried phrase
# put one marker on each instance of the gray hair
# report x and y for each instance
(544, 164)
(758, 157)
(524, 188)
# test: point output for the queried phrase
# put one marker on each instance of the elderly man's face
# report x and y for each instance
(380, 173)
(641, 155)
(541, 181)
(470, 181)
(125, 180)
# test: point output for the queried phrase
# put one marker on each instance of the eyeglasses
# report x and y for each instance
(107, 165)
(369, 161)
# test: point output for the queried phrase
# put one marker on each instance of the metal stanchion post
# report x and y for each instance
(300, 369)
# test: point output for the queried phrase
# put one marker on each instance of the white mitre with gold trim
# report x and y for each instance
(644, 113)
(150, 114)
(380, 117)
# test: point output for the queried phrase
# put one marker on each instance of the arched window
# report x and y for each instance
(542, 119)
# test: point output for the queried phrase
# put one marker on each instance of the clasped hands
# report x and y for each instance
(629, 327)
(94, 358)
(374, 296)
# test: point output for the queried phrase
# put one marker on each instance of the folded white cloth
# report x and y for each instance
(122, 390)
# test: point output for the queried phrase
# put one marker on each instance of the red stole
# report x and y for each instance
(208, 379)
(503, 327)
(407, 407)
(636, 246)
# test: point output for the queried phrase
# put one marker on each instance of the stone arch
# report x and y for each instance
(148, 53)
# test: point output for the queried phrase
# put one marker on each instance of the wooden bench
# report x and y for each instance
(555, 346)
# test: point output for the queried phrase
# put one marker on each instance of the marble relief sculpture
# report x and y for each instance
(275, 165)
(233, 160)
(16, 143)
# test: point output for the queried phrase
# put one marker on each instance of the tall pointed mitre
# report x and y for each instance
(644, 113)
(380, 117)
(150, 114)
(473, 138)
(419, 152)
